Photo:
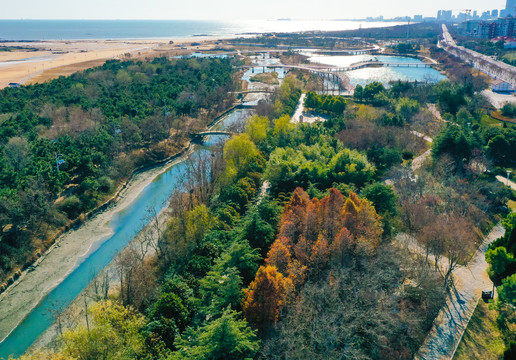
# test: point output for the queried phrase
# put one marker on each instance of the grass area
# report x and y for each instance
(496, 119)
(482, 338)
(512, 205)
(498, 116)
(270, 78)
(510, 57)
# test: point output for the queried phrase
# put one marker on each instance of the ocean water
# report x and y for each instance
(155, 29)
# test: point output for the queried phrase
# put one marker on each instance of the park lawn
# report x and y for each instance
(496, 119)
(482, 338)
(270, 78)
(512, 205)
(510, 57)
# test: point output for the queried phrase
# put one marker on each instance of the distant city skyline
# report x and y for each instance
(233, 9)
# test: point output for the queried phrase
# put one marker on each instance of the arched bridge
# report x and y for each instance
(200, 137)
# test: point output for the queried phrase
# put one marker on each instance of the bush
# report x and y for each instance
(509, 110)
(105, 184)
(71, 206)
(510, 351)
(407, 155)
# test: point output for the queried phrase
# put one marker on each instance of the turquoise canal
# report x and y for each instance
(125, 225)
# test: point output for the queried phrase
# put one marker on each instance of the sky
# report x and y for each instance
(231, 9)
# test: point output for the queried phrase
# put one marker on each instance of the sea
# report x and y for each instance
(35, 30)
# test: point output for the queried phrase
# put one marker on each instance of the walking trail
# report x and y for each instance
(506, 182)
(449, 326)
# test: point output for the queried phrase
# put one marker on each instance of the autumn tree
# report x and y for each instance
(265, 297)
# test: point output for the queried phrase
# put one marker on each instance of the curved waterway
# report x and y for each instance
(125, 225)
(381, 74)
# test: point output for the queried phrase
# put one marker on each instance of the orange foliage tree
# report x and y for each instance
(265, 297)
(312, 233)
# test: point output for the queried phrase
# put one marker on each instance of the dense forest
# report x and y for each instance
(66, 145)
(287, 243)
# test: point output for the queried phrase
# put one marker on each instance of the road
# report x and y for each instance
(499, 100)
(494, 68)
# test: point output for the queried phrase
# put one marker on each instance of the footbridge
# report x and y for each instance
(337, 74)
(262, 91)
(328, 68)
(200, 137)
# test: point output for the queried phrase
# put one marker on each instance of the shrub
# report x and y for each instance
(71, 206)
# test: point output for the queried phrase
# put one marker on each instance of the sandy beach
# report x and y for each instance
(50, 59)
(61, 259)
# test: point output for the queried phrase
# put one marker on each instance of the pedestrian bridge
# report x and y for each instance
(328, 68)
(200, 137)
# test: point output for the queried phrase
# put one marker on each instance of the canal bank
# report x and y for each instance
(81, 254)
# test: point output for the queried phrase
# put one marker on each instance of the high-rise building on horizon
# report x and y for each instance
(510, 9)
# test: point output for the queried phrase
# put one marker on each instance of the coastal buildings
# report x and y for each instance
(502, 27)
(510, 9)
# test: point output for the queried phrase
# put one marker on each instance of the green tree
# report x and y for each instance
(258, 232)
(382, 196)
(257, 127)
(225, 338)
(116, 334)
(372, 90)
(453, 141)
(507, 291)
(239, 154)
(499, 149)
(220, 290)
(407, 107)
(500, 263)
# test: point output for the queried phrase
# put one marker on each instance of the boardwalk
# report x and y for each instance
(329, 68)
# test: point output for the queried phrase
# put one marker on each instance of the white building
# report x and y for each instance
(501, 86)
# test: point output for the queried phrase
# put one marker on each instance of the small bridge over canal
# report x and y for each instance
(200, 137)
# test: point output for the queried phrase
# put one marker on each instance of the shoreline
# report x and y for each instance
(42, 60)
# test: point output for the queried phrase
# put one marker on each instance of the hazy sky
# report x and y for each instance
(230, 9)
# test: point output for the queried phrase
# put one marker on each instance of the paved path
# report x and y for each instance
(504, 181)
(450, 324)
(299, 109)
(308, 117)
(498, 100)
(435, 112)
(418, 162)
